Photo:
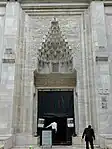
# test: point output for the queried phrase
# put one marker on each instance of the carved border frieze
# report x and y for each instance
(103, 91)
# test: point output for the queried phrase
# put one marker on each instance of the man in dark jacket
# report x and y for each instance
(89, 136)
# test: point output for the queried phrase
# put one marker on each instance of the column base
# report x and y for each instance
(8, 141)
(25, 139)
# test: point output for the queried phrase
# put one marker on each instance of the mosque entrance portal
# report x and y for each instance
(56, 70)
(57, 106)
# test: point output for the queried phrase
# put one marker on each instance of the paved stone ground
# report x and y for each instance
(59, 147)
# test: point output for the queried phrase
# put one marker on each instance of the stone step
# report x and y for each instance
(77, 141)
(56, 147)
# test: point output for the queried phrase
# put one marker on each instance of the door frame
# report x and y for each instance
(35, 106)
(76, 115)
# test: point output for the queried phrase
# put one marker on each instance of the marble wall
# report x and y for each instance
(8, 63)
(2, 20)
(101, 47)
(88, 34)
(72, 29)
(108, 22)
(26, 35)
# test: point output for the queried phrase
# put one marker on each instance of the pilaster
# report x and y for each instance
(2, 24)
(30, 64)
(99, 54)
(9, 64)
(84, 54)
(76, 113)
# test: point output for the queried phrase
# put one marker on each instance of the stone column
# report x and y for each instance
(9, 65)
(27, 79)
(79, 64)
(2, 24)
(3, 103)
(36, 121)
(35, 109)
(76, 111)
(85, 67)
(108, 16)
(30, 64)
(98, 50)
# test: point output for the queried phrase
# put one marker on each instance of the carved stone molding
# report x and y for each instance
(103, 91)
(55, 80)
(54, 46)
(101, 58)
(55, 50)
(9, 58)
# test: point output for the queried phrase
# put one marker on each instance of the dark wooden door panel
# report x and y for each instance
(55, 103)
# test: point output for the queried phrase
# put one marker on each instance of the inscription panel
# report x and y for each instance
(55, 80)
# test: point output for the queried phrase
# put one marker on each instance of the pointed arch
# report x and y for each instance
(55, 49)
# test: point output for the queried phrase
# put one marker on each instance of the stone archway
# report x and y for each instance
(55, 66)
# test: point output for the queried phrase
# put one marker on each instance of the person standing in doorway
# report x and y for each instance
(89, 136)
(54, 129)
(54, 126)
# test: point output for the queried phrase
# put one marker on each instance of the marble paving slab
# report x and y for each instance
(59, 147)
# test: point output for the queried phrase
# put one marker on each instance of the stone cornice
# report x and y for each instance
(3, 3)
(61, 1)
(76, 4)
(55, 12)
(56, 5)
(108, 3)
(35, 6)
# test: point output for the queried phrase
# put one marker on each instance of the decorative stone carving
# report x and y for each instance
(104, 102)
(9, 56)
(8, 61)
(101, 58)
(55, 48)
(103, 91)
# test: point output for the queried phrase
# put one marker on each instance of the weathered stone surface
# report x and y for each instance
(101, 75)
(8, 69)
(88, 34)
(55, 80)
